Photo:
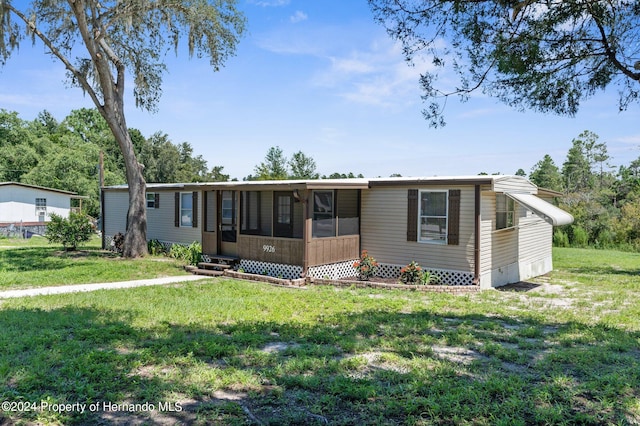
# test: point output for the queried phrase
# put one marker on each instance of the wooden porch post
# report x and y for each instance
(307, 233)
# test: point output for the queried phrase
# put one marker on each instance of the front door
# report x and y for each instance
(209, 224)
(227, 218)
(283, 214)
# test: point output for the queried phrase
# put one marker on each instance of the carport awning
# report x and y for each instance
(547, 211)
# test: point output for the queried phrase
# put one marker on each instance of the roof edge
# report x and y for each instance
(44, 188)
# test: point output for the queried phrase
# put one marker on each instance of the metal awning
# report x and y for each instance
(547, 211)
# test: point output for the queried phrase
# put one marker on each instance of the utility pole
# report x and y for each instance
(100, 195)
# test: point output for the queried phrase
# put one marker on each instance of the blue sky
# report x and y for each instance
(323, 78)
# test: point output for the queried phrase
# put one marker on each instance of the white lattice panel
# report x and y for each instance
(334, 271)
(278, 270)
(445, 277)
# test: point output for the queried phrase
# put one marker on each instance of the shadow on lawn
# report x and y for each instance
(46, 258)
(603, 270)
(374, 367)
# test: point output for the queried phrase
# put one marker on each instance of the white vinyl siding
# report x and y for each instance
(18, 203)
(514, 184)
(160, 222)
(497, 248)
(515, 254)
(116, 205)
(384, 230)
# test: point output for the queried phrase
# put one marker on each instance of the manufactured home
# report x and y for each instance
(29, 207)
(477, 230)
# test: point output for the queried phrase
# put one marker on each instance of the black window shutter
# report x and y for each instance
(156, 201)
(176, 216)
(194, 221)
(453, 233)
(412, 215)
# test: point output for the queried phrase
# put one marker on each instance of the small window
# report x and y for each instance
(41, 204)
(505, 212)
(151, 200)
(186, 209)
(433, 216)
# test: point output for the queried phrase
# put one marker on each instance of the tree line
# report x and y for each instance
(604, 200)
(65, 155)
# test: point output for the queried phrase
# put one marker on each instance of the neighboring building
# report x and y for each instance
(28, 207)
(477, 230)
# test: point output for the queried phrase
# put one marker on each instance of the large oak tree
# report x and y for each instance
(544, 55)
(101, 43)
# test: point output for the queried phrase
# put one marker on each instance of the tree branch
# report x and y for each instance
(611, 54)
(57, 53)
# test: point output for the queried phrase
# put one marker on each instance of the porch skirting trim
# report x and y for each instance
(278, 270)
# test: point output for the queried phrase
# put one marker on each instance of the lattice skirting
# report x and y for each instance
(334, 271)
(108, 239)
(278, 270)
(444, 277)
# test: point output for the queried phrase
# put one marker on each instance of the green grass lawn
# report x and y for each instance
(33, 262)
(566, 351)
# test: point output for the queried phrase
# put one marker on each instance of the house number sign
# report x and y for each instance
(268, 248)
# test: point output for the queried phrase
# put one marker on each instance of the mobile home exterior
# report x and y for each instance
(30, 206)
(480, 230)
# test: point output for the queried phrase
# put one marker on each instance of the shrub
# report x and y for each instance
(366, 266)
(560, 238)
(411, 274)
(191, 254)
(118, 242)
(580, 236)
(71, 231)
(429, 278)
(155, 248)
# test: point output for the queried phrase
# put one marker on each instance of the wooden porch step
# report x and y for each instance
(207, 265)
(223, 260)
(207, 272)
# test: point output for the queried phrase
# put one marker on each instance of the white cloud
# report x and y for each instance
(359, 66)
(299, 16)
(376, 75)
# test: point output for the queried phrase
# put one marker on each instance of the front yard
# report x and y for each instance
(564, 349)
(35, 263)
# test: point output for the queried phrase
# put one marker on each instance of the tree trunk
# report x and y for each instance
(135, 240)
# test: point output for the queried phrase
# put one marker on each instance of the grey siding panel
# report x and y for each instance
(384, 233)
(116, 205)
(160, 222)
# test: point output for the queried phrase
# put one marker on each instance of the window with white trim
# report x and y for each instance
(505, 212)
(433, 216)
(151, 200)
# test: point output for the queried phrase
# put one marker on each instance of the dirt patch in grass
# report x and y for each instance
(458, 355)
